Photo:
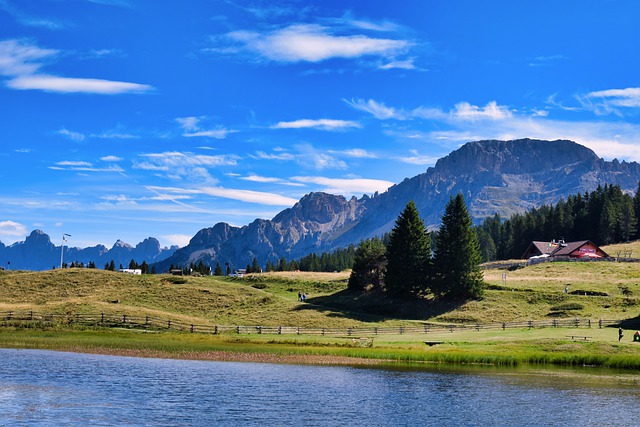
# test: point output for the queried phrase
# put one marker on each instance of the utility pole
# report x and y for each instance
(64, 239)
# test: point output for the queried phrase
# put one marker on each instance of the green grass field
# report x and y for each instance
(596, 290)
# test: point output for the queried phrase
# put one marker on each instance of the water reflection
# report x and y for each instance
(40, 388)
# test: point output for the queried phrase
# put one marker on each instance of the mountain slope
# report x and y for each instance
(506, 177)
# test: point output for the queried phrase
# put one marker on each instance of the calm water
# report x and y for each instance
(40, 388)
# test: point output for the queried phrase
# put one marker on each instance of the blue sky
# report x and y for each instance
(126, 119)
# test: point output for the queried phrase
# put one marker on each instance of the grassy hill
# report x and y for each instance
(596, 290)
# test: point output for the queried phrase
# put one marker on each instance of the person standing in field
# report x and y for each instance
(620, 334)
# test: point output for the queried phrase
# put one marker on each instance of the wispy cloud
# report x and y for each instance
(192, 128)
(322, 124)
(50, 83)
(462, 111)
(111, 159)
(415, 158)
(11, 230)
(81, 166)
(312, 43)
(21, 60)
(28, 19)
(80, 137)
(269, 180)
(181, 166)
(345, 186)
(248, 196)
(611, 100)
(357, 153)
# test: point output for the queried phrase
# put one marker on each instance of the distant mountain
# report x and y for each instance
(504, 177)
(38, 253)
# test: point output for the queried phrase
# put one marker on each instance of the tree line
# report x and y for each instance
(417, 263)
(606, 215)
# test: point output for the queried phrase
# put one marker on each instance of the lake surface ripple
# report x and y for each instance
(44, 388)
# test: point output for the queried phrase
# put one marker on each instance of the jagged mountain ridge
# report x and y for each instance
(504, 177)
(37, 252)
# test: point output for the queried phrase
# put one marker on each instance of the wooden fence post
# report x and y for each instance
(279, 330)
(191, 328)
(124, 318)
(504, 326)
(215, 330)
(600, 324)
(146, 320)
(349, 332)
(168, 324)
(530, 324)
(101, 317)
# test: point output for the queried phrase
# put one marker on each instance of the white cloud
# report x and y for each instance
(179, 166)
(282, 156)
(18, 57)
(111, 159)
(269, 180)
(248, 196)
(491, 111)
(376, 109)
(346, 186)
(417, 159)
(50, 83)
(322, 124)
(10, 231)
(192, 129)
(217, 133)
(357, 153)
(314, 43)
(181, 240)
(462, 111)
(611, 100)
(21, 60)
(73, 163)
(74, 136)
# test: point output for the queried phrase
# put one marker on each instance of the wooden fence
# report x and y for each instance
(16, 318)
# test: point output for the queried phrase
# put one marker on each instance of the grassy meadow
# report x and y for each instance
(596, 290)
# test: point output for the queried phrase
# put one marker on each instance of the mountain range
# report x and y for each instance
(37, 252)
(504, 177)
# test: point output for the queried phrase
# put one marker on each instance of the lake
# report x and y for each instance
(44, 388)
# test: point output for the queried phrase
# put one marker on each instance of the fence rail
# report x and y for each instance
(153, 323)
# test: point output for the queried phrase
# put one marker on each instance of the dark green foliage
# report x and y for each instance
(457, 256)
(369, 265)
(218, 270)
(604, 216)
(408, 255)
(339, 260)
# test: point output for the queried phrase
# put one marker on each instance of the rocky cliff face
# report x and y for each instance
(504, 177)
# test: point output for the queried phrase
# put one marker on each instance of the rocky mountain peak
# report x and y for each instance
(513, 157)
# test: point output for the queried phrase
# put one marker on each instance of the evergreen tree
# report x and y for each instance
(408, 254)
(218, 270)
(112, 266)
(457, 257)
(368, 266)
(144, 267)
(255, 266)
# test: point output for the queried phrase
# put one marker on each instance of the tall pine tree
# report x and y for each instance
(408, 255)
(368, 266)
(457, 254)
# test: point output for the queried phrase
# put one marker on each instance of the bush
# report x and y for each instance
(567, 306)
